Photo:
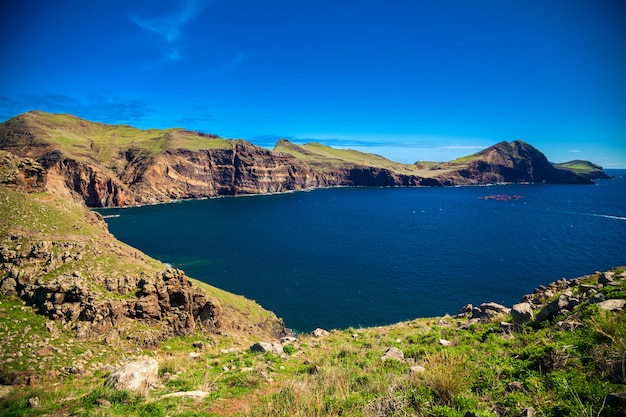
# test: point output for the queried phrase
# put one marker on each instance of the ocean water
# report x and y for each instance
(351, 257)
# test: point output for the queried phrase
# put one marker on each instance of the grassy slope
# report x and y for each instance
(564, 373)
(324, 157)
(102, 142)
(580, 167)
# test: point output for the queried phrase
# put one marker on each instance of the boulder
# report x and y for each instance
(564, 302)
(393, 354)
(417, 369)
(612, 305)
(320, 332)
(140, 375)
(266, 347)
(521, 313)
(446, 343)
(606, 277)
(498, 308)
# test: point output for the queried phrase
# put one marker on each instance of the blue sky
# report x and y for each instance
(409, 80)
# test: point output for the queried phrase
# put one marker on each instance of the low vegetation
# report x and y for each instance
(447, 370)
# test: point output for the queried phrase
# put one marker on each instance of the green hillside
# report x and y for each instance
(104, 142)
(326, 157)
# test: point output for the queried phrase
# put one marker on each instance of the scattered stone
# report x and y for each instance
(101, 402)
(198, 344)
(33, 402)
(246, 369)
(606, 277)
(564, 302)
(499, 308)
(529, 412)
(612, 305)
(288, 339)
(196, 395)
(596, 298)
(515, 386)
(507, 328)
(320, 332)
(586, 288)
(194, 355)
(522, 313)
(444, 342)
(263, 347)
(394, 354)
(139, 375)
(417, 369)
(568, 325)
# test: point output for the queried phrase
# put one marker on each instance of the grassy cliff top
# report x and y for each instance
(318, 155)
(103, 142)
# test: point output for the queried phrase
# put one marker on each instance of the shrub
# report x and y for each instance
(446, 375)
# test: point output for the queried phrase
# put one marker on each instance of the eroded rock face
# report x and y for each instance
(24, 173)
(98, 305)
(167, 301)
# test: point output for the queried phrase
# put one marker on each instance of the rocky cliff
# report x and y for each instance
(116, 165)
(59, 258)
(509, 162)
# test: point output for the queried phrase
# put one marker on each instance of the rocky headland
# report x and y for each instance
(116, 165)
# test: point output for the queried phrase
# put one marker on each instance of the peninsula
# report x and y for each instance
(118, 165)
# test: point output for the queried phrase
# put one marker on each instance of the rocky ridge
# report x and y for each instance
(107, 165)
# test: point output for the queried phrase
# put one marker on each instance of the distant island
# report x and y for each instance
(119, 165)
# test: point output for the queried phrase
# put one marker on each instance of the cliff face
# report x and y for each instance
(106, 165)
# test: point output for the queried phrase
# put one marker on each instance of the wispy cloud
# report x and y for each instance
(170, 25)
(574, 150)
(196, 116)
(105, 110)
(463, 147)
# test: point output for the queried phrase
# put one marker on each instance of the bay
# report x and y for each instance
(351, 257)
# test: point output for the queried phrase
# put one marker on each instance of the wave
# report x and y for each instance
(606, 216)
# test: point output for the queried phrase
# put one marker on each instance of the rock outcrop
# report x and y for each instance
(511, 162)
(107, 165)
(548, 301)
(104, 306)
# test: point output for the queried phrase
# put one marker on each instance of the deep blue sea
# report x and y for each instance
(351, 257)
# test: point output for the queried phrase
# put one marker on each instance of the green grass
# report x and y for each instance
(563, 373)
(106, 144)
(321, 156)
